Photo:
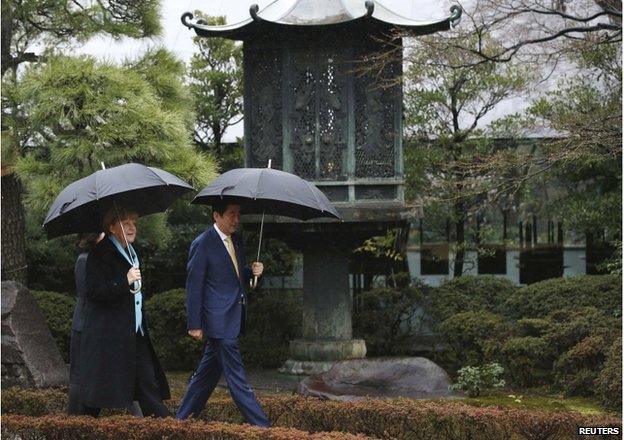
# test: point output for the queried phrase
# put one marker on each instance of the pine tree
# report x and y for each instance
(31, 31)
(75, 113)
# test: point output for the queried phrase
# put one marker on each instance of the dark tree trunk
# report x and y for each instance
(458, 266)
(14, 265)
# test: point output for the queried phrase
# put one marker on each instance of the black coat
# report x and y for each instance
(81, 287)
(107, 345)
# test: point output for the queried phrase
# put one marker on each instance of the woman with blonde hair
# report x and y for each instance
(117, 361)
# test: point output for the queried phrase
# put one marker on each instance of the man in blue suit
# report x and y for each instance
(215, 298)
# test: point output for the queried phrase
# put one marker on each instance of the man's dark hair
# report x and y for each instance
(221, 205)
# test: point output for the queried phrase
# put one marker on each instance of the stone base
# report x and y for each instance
(309, 356)
(292, 366)
(327, 350)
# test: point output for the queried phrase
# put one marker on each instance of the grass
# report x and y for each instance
(529, 399)
(537, 399)
(178, 381)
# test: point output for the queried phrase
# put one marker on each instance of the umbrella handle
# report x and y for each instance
(138, 289)
(253, 283)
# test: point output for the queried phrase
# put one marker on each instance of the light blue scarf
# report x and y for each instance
(132, 258)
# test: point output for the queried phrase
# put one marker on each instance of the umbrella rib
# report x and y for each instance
(258, 183)
(97, 189)
(155, 174)
(311, 187)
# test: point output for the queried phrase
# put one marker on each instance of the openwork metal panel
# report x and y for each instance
(303, 115)
(375, 192)
(263, 106)
(336, 193)
(318, 115)
(375, 127)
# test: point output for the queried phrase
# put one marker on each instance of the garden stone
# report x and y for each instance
(356, 379)
(30, 357)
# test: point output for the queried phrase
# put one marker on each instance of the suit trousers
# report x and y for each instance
(221, 356)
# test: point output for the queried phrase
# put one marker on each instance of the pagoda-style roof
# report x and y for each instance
(282, 15)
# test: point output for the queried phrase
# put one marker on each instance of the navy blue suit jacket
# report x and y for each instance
(214, 293)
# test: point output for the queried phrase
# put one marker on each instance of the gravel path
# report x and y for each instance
(262, 381)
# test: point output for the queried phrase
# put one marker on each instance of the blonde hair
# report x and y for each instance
(118, 213)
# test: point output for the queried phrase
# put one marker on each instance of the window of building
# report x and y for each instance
(492, 260)
(434, 259)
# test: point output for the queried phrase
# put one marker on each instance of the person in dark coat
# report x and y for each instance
(117, 361)
(86, 242)
(216, 275)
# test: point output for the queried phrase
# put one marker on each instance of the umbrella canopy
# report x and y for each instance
(81, 206)
(265, 190)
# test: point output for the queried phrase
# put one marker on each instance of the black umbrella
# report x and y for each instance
(268, 191)
(81, 206)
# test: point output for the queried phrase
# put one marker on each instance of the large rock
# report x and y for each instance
(30, 357)
(355, 379)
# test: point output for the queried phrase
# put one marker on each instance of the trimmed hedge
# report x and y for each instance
(167, 322)
(33, 402)
(466, 334)
(609, 381)
(528, 360)
(58, 310)
(411, 419)
(470, 293)
(134, 428)
(384, 319)
(556, 332)
(566, 349)
(540, 299)
(273, 319)
(404, 419)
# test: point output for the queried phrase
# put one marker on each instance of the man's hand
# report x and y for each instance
(196, 334)
(257, 268)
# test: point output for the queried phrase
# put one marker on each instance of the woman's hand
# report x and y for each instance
(134, 274)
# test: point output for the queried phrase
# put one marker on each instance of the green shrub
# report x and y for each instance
(553, 333)
(527, 360)
(533, 327)
(566, 349)
(473, 380)
(385, 319)
(609, 380)
(576, 370)
(570, 326)
(167, 322)
(466, 334)
(58, 310)
(273, 319)
(469, 293)
(603, 292)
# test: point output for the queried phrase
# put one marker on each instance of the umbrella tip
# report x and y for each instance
(103, 166)
(269, 165)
